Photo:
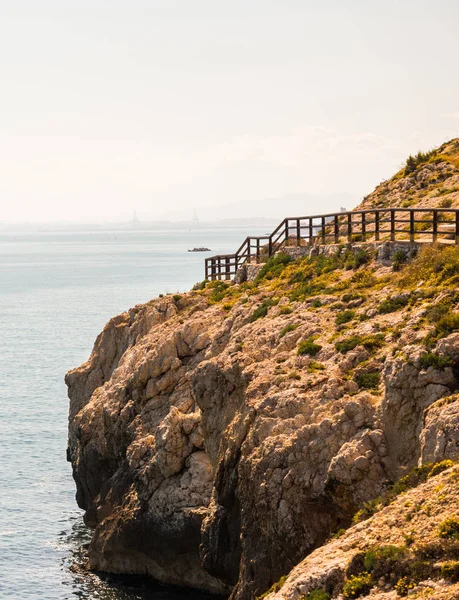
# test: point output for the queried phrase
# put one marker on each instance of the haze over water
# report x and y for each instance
(57, 290)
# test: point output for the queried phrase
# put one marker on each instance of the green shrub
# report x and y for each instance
(285, 310)
(344, 317)
(446, 202)
(273, 267)
(440, 467)
(288, 328)
(262, 310)
(318, 595)
(434, 265)
(357, 585)
(413, 162)
(349, 297)
(219, 290)
(317, 303)
(367, 381)
(177, 297)
(370, 342)
(315, 366)
(309, 347)
(434, 360)
(390, 305)
(294, 375)
(450, 571)
(446, 325)
(403, 586)
(381, 560)
(398, 259)
(436, 312)
(449, 528)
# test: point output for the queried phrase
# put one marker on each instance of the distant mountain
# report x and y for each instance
(272, 208)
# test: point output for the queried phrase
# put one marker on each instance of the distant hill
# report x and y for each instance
(272, 208)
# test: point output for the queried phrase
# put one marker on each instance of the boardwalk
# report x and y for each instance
(392, 224)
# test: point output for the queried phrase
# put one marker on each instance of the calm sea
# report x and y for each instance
(57, 290)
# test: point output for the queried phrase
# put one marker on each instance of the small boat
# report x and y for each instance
(201, 249)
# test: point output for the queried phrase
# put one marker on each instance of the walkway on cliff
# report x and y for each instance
(420, 225)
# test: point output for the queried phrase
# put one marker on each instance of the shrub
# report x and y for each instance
(370, 342)
(344, 317)
(219, 290)
(449, 528)
(434, 265)
(294, 375)
(381, 560)
(450, 571)
(288, 328)
(315, 366)
(285, 310)
(317, 303)
(273, 267)
(398, 259)
(434, 360)
(262, 310)
(309, 347)
(446, 202)
(390, 305)
(403, 586)
(413, 162)
(446, 325)
(440, 467)
(350, 297)
(367, 381)
(318, 595)
(436, 312)
(177, 297)
(357, 585)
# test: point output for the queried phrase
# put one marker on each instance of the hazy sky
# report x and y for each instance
(160, 105)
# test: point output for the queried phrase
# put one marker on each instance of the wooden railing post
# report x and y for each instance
(270, 246)
(364, 227)
(456, 237)
(392, 225)
(298, 233)
(434, 225)
(349, 227)
(323, 230)
(376, 225)
(311, 232)
(336, 229)
(411, 225)
(286, 232)
(258, 250)
(227, 268)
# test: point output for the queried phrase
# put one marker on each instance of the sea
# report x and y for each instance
(58, 288)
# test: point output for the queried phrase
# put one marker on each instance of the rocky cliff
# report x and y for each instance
(220, 437)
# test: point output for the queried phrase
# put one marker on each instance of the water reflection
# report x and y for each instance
(102, 586)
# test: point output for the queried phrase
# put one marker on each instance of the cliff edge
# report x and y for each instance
(219, 437)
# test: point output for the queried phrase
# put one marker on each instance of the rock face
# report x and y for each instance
(208, 453)
(218, 438)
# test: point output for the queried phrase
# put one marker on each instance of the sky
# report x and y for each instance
(166, 106)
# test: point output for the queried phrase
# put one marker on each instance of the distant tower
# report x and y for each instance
(195, 218)
(135, 220)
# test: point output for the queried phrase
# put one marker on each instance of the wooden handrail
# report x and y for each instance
(358, 225)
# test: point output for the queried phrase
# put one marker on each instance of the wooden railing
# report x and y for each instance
(394, 224)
